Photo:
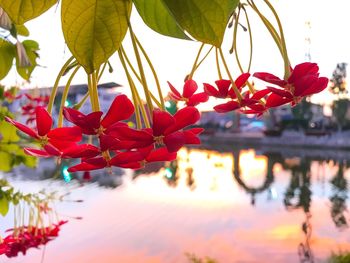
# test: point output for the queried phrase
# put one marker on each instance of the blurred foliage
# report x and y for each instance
(192, 258)
(340, 257)
(337, 82)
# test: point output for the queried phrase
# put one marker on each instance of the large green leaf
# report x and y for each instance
(205, 20)
(7, 54)
(31, 47)
(8, 132)
(4, 205)
(21, 11)
(156, 15)
(94, 29)
(6, 161)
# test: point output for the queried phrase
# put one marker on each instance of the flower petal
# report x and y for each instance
(226, 107)
(317, 87)
(223, 86)
(43, 120)
(270, 78)
(89, 164)
(198, 98)
(241, 80)
(174, 91)
(274, 100)
(161, 121)
(260, 94)
(160, 155)
(303, 69)
(210, 90)
(81, 151)
(121, 109)
(23, 128)
(183, 118)
(72, 134)
(281, 92)
(191, 138)
(174, 141)
(190, 88)
(126, 157)
(37, 152)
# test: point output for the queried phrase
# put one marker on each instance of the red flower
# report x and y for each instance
(52, 140)
(303, 81)
(224, 87)
(188, 96)
(91, 124)
(166, 130)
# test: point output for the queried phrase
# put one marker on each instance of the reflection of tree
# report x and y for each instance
(298, 195)
(339, 197)
(253, 190)
(171, 175)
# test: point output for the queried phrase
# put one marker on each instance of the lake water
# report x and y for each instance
(243, 205)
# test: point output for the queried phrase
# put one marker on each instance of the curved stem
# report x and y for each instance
(250, 39)
(205, 56)
(100, 73)
(153, 72)
(234, 42)
(218, 63)
(284, 47)
(65, 95)
(234, 87)
(81, 103)
(55, 86)
(142, 73)
(194, 67)
(95, 90)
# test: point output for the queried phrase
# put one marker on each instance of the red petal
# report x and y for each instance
(274, 101)
(81, 151)
(197, 98)
(61, 145)
(134, 165)
(37, 152)
(317, 87)
(174, 91)
(161, 121)
(195, 130)
(191, 138)
(210, 90)
(270, 78)
(43, 120)
(241, 80)
(23, 128)
(121, 109)
(128, 134)
(190, 88)
(303, 69)
(281, 92)
(183, 118)
(126, 157)
(72, 134)
(226, 107)
(260, 94)
(223, 86)
(161, 155)
(52, 150)
(174, 141)
(89, 164)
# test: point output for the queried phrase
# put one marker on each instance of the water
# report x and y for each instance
(241, 205)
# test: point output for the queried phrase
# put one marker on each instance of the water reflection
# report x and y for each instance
(238, 205)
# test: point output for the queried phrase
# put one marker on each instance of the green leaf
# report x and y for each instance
(8, 132)
(21, 11)
(4, 206)
(6, 161)
(156, 15)
(7, 54)
(31, 47)
(94, 29)
(22, 30)
(205, 20)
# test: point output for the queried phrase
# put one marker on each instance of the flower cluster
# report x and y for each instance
(303, 81)
(116, 143)
(21, 239)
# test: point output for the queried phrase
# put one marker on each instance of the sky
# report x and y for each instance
(173, 58)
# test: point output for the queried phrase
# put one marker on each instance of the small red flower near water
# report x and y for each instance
(188, 96)
(303, 81)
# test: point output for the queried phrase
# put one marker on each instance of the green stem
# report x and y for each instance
(81, 103)
(194, 67)
(55, 87)
(234, 43)
(95, 90)
(234, 87)
(205, 56)
(218, 63)
(142, 73)
(284, 46)
(250, 39)
(65, 96)
(153, 72)
(101, 72)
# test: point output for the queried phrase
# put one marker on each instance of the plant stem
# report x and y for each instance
(194, 67)
(55, 86)
(65, 95)
(218, 63)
